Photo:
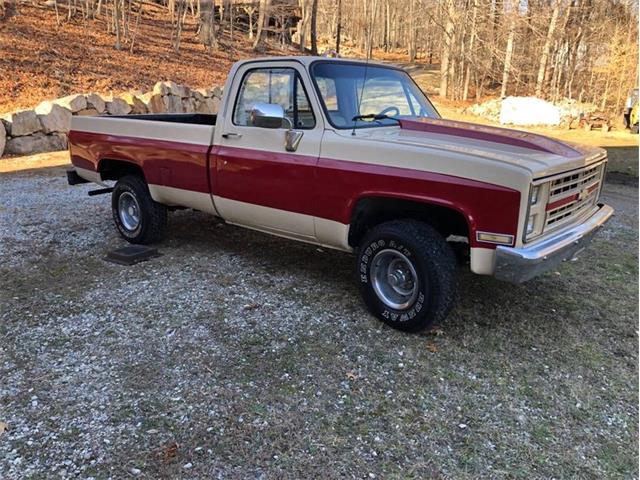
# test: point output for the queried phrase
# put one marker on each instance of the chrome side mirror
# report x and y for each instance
(271, 115)
(267, 115)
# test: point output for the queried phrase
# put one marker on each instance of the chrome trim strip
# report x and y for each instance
(551, 178)
(517, 265)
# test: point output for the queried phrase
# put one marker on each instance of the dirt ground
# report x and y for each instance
(240, 355)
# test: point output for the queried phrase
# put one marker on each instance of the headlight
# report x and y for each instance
(531, 224)
(534, 196)
(536, 211)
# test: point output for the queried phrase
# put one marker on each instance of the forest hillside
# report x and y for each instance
(579, 49)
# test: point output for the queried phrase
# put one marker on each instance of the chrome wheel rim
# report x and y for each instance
(394, 279)
(129, 211)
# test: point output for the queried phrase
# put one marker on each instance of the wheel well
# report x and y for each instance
(373, 211)
(115, 169)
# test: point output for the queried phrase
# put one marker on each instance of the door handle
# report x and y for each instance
(231, 135)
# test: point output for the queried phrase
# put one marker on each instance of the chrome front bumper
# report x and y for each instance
(517, 265)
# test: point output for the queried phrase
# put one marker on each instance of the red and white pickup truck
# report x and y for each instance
(353, 156)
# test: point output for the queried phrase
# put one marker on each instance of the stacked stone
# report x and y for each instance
(45, 127)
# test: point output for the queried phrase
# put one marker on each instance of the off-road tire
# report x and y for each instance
(433, 261)
(153, 216)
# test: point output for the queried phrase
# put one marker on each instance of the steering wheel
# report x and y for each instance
(387, 110)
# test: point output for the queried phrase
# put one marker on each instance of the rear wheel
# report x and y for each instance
(138, 218)
(407, 274)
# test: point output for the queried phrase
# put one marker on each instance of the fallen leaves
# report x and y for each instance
(168, 452)
(436, 330)
(432, 347)
(352, 375)
(3, 427)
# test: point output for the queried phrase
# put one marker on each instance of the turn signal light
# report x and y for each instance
(499, 238)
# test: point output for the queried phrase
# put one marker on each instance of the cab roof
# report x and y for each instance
(307, 60)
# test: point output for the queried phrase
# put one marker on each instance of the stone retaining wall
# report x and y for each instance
(45, 127)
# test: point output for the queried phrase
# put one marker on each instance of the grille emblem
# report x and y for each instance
(582, 195)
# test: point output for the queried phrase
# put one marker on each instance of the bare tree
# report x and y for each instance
(509, 50)
(547, 47)
(314, 29)
(263, 18)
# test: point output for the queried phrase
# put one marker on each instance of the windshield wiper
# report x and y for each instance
(373, 116)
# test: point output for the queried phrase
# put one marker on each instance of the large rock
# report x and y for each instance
(23, 123)
(3, 138)
(36, 143)
(75, 103)
(216, 92)
(170, 87)
(188, 105)
(137, 105)
(88, 112)
(174, 104)
(118, 106)
(210, 106)
(198, 95)
(53, 117)
(96, 102)
(155, 102)
(161, 88)
(6, 123)
(180, 91)
(205, 92)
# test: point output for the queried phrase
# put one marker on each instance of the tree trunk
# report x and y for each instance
(412, 31)
(116, 5)
(303, 23)
(508, 53)
(467, 78)
(447, 46)
(135, 31)
(339, 27)
(263, 18)
(314, 32)
(547, 47)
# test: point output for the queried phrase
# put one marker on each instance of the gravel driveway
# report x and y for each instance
(239, 355)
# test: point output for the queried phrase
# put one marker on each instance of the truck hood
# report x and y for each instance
(540, 155)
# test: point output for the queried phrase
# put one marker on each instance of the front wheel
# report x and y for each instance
(407, 274)
(138, 218)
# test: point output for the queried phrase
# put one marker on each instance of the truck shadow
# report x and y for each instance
(482, 300)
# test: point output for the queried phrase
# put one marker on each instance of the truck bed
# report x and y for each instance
(170, 150)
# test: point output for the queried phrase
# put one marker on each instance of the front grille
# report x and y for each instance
(573, 195)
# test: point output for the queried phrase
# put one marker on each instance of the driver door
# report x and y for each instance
(259, 183)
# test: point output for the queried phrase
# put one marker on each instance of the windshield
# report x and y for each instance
(348, 90)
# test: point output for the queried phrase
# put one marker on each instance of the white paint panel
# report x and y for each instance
(483, 261)
(266, 218)
(330, 234)
(147, 129)
(333, 234)
(90, 175)
(183, 198)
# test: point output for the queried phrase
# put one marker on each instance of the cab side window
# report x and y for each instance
(281, 86)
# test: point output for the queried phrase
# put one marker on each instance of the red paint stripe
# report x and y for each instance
(593, 187)
(163, 162)
(561, 202)
(320, 187)
(484, 206)
(485, 133)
